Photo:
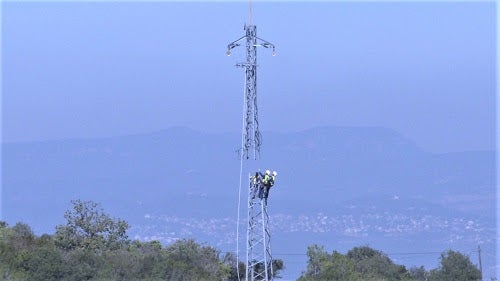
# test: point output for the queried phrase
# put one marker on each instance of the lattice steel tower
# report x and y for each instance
(251, 134)
(258, 246)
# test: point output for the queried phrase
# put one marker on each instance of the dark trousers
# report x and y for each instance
(264, 191)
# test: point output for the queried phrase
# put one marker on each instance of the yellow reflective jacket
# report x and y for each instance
(266, 179)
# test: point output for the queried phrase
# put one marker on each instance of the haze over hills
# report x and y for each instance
(337, 186)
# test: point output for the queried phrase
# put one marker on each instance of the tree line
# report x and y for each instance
(94, 246)
(367, 264)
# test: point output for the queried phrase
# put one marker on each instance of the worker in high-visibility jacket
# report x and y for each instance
(264, 179)
(257, 185)
(268, 182)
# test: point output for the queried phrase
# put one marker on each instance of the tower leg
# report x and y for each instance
(259, 259)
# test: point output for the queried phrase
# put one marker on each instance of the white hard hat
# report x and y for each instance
(268, 172)
(274, 173)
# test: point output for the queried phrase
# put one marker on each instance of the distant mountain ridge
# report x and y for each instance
(341, 186)
(341, 160)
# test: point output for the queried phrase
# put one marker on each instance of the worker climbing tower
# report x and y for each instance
(258, 246)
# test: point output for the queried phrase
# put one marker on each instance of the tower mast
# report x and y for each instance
(258, 246)
(251, 134)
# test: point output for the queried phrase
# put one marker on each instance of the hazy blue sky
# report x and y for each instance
(425, 69)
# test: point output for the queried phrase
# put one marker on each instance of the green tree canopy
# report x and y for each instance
(419, 273)
(88, 227)
(360, 263)
(235, 274)
(374, 264)
(455, 266)
(188, 260)
(323, 266)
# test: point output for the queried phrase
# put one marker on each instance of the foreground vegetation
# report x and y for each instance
(367, 264)
(93, 246)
